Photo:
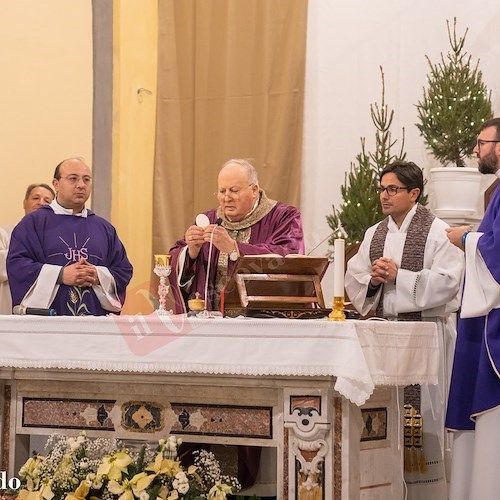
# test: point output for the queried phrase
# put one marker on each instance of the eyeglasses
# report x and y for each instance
(74, 179)
(392, 190)
(233, 192)
(482, 142)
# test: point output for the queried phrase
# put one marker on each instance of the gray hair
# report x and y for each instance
(249, 168)
(33, 186)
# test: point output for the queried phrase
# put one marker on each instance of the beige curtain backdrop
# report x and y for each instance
(230, 84)
(135, 40)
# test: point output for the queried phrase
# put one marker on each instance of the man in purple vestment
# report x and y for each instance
(250, 224)
(64, 257)
(474, 400)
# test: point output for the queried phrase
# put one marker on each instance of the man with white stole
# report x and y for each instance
(406, 269)
(474, 402)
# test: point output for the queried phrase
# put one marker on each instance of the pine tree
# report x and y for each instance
(454, 105)
(361, 204)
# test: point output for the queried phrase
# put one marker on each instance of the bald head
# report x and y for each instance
(72, 182)
(238, 189)
(245, 166)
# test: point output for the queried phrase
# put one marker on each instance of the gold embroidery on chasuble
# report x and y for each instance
(240, 231)
(76, 305)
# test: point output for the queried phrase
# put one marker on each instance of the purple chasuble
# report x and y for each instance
(279, 232)
(42, 237)
(475, 382)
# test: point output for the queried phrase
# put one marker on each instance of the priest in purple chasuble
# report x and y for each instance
(407, 270)
(65, 257)
(474, 402)
(250, 224)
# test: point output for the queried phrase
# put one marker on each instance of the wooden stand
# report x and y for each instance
(276, 286)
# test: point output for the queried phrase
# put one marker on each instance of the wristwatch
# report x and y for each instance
(233, 256)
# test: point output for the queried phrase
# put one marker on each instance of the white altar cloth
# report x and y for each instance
(360, 354)
(400, 353)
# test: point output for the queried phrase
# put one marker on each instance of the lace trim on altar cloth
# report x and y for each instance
(356, 355)
(357, 391)
(210, 369)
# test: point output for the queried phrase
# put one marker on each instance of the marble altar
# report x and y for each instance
(323, 394)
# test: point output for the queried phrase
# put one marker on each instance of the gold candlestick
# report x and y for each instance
(162, 269)
(337, 313)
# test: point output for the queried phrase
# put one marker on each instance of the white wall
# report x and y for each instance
(346, 44)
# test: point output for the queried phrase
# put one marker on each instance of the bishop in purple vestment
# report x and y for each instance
(246, 222)
(250, 224)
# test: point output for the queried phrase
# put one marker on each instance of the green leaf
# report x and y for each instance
(454, 105)
(361, 204)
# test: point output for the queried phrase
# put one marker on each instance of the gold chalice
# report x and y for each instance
(162, 269)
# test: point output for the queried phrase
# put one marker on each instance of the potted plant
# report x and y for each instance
(453, 107)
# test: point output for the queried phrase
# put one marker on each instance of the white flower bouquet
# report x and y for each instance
(80, 468)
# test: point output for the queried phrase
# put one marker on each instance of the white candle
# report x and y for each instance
(338, 269)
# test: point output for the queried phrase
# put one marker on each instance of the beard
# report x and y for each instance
(488, 164)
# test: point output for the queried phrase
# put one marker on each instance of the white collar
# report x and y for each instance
(60, 210)
(406, 222)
